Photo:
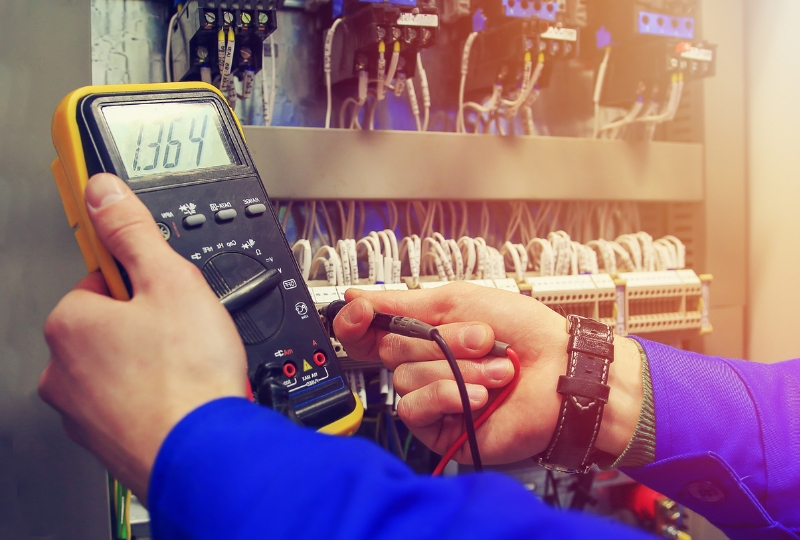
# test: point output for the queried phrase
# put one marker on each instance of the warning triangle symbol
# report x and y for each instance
(306, 366)
(315, 342)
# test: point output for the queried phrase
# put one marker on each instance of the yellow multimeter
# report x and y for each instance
(182, 151)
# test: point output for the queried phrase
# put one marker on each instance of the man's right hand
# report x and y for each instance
(470, 318)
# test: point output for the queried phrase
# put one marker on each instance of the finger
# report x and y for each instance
(431, 403)
(93, 283)
(466, 340)
(458, 302)
(489, 373)
(351, 327)
(125, 226)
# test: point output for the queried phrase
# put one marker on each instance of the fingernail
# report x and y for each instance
(497, 368)
(473, 337)
(354, 313)
(476, 393)
(103, 190)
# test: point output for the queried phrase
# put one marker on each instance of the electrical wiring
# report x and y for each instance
(598, 89)
(332, 264)
(456, 259)
(632, 244)
(542, 258)
(328, 225)
(482, 256)
(268, 99)
(467, 246)
(648, 254)
(381, 83)
(529, 80)
(374, 241)
(469, 422)
(230, 46)
(168, 51)
(327, 65)
(410, 248)
(344, 256)
(287, 213)
(230, 92)
(412, 100)
(431, 249)
(303, 247)
(221, 51)
(176, 18)
(487, 412)
(426, 92)
(388, 259)
(394, 217)
(464, 70)
(629, 118)
(511, 250)
(370, 253)
(390, 73)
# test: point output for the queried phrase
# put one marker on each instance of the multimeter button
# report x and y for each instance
(225, 215)
(194, 221)
(255, 210)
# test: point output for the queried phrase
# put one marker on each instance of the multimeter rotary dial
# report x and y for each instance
(259, 320)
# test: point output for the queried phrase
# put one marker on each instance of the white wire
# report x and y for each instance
(412, 99)
(328, 53)
(168, 52)
(272, 76)
(598, 90)
(426, 92)
(268, 97)
(464, 69)
(392, 67)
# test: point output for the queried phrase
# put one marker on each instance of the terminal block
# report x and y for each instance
(596, 296)
(413, 24)
(194, 45)
(666, 301)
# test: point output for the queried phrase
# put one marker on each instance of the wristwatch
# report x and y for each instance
(584, 392)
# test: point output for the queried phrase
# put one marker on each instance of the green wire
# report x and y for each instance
(407, 445)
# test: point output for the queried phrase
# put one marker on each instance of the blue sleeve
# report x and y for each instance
(235, 470)
(727, 440)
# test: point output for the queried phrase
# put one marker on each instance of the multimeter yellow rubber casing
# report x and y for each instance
(182, 151)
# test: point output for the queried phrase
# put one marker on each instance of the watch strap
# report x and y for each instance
(584, 392)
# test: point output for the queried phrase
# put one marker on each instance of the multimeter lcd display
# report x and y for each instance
(165, 138)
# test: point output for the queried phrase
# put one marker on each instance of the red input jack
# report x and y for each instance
(289, 369)
(320, 358)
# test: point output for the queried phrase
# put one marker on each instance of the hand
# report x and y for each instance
(123, 374)
(430, 404)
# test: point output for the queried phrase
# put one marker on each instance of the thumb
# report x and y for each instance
(125, 226)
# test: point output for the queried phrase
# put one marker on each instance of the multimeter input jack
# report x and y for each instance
(289, 369)
(320, 358)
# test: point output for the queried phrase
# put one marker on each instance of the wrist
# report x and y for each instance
(621, 413)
